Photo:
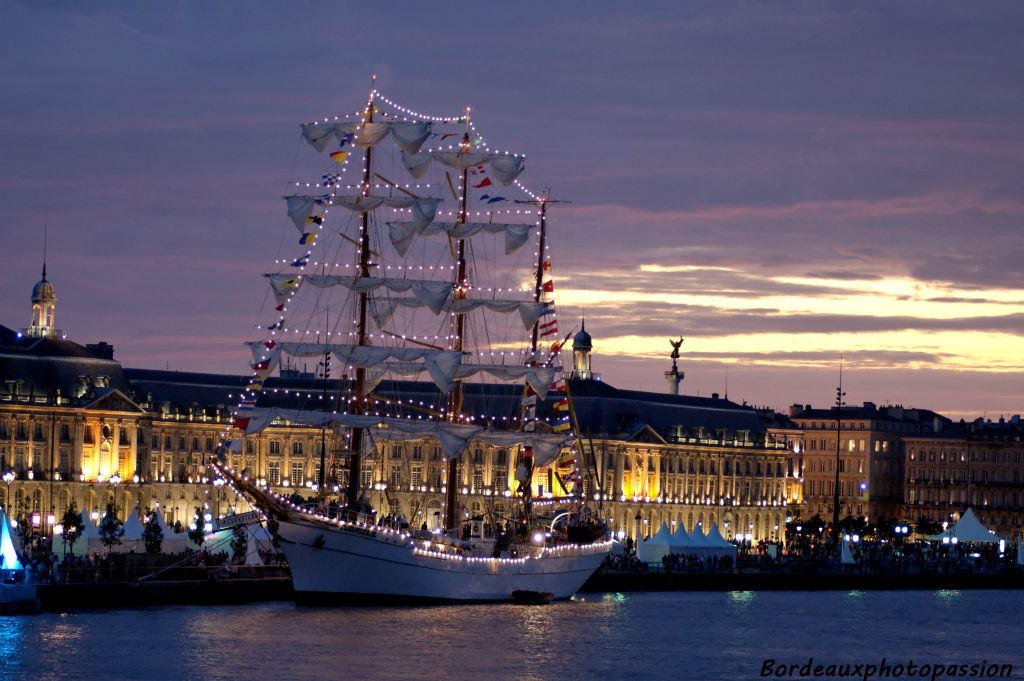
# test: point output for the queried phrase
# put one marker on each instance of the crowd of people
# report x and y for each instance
(866, 556)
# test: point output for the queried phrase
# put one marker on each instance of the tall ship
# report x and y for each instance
(421, 259)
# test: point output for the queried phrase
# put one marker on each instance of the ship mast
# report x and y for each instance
(455, 403)
(354, 460)
(539, 279)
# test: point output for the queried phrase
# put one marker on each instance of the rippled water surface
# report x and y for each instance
(611, 636)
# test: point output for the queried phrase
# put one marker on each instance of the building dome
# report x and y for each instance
(43, 292)
(581, 341)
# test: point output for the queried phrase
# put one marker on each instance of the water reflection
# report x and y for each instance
(742, 598)
(12, 637)
(684, 635)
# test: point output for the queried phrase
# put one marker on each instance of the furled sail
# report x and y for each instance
(300, 208)
(505, 167)
(382, 309)
(454, 437)
(403, 233)
(408, 136)
(441, 365)
(432, 294)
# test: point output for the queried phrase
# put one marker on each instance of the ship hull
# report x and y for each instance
(370, 566)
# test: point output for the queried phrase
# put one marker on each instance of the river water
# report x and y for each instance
(681, 635)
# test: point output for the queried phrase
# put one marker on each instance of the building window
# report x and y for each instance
(396, 451)
(478, 479)
(396, 477)
(296, 476)
(122, 438)
(296, 449)
(195, 444)
(417, 453)
(274, 473)
(500, 479)
(209, 444)
(436, 454)
(65, 464)
(501, 458)
(417, 476)
(367, 478)
(181, 443)
(65, 433)
(275, 446)
(21, 432)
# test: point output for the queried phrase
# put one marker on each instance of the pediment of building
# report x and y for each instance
(115, 400)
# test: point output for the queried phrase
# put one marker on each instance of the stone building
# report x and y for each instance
(968, 465)
(866, 445)
(77, 426)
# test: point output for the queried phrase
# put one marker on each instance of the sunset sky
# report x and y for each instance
(780, 184)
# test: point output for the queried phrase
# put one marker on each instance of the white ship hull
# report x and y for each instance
(357, 564)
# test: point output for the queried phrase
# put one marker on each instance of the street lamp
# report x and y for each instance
(8, 478)
(114, 481)
(218, 484)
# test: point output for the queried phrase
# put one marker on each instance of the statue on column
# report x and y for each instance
(675, 350)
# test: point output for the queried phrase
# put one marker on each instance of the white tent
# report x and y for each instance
(657, 547)
(846, 556)
(722, 546)
(91, 535)
(9, 558)
(698, 539)
(132, 539)
(680, 541)
(171, 543)
(968, 529)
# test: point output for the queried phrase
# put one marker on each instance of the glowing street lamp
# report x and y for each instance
(8, 477)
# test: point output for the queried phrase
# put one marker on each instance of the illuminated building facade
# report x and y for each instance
(968, 465)
(869, 458)
(77, 426)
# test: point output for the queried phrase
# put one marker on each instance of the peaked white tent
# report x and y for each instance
(132, 540)
(9, 558)
(172, 543)
(657, 547)
(968, 529)
(91, 535)
(680, 541)
(720, 544)
(846, 556)
(698, 539)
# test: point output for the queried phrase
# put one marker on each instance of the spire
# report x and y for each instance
(44, 303)
(581, 347)
(46, 225)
